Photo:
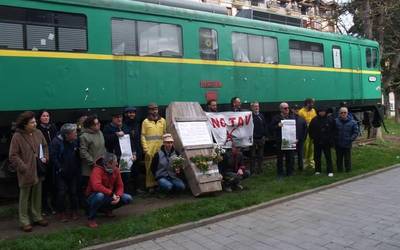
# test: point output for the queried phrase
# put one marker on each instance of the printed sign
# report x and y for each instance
(288, 135)
(194, 133)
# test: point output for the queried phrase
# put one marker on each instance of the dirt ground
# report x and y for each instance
(9, 227)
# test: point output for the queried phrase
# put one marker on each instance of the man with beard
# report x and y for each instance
(153, 128)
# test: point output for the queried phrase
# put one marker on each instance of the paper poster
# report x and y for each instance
(51, 36)
(43, 42)
(125, 161)
(194, 133)
(228, 127)
(288, 135)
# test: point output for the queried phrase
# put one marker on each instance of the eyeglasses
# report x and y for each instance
(343, 112)
(285, 108)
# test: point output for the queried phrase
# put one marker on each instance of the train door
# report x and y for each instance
(356, 80)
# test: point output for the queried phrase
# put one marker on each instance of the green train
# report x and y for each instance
(71, 55)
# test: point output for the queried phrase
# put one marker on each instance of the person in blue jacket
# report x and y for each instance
(346, 131)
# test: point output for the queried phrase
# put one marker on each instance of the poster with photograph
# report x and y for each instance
(288, 135)
(125, 161)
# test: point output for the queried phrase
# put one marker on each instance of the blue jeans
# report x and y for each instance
(99, 200)
(168, 183)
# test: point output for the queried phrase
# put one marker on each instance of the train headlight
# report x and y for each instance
(372, 78)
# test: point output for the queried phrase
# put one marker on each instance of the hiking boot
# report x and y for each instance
(62, 217)
(42, 222)
(27, 228)
(92, 224)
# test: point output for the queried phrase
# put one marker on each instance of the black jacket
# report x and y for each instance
(134, 128)
(65, 158)
(301, 129)
(260, 126)
(275, 129)
(49, 132)
(322, 131)
(111, 140)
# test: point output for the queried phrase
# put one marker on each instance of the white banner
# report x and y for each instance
(229, 126)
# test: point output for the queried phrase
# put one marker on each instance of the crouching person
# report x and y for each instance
(164, 173)
(64, 155)
(105, 190)
(233, 170)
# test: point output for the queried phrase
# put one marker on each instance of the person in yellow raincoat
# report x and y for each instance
(308, 113)
(153, 128)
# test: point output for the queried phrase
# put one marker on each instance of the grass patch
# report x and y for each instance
(259, 189)
(392, 127)
(9, 211)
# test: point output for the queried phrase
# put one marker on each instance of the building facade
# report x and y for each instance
(312, 14)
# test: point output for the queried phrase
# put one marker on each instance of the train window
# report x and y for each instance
(38, 37)
(44, 30)
(337, 57)
(72, 39)
(208, 44)
(11, 36)
(306, 53)
(158, 39)
(123, 37)
(263, 49)
(371, 55)
(240, 47)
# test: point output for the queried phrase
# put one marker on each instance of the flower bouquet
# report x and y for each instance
(177, 162)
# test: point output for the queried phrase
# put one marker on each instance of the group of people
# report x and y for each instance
(317, 132)
(80, 165)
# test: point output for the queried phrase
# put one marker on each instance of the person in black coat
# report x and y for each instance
(259, 136)
(66, 161)
(276, 128)
(132, 122)
(321, 130)
(112, 134)
(301, 134)
(49, 131)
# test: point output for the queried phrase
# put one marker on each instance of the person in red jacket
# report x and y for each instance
(105, 190)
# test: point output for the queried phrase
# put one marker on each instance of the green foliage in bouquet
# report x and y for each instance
(177, 162)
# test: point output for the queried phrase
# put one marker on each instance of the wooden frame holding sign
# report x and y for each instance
(187, 123)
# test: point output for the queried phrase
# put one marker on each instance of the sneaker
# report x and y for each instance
(330, 175)
(43, 223)
(317, 173)
(92, 224)
(27, 228)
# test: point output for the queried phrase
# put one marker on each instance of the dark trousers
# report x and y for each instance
(70, 187)
(343, 154)
(257, 155)
(232, 179)
(289, 161)
(300, 153)
(84, 181)
(326, 149)
(100, 201)
(49, 190)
